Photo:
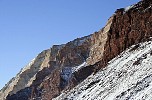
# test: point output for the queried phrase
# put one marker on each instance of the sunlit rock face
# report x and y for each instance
(62, 67)
(98, 41)
(25, 77)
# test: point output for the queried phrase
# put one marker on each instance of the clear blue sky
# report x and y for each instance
(29, 26)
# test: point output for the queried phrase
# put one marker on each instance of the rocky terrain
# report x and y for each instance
(126, 77)
(73, 70)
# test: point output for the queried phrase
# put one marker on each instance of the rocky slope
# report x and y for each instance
(63, 67)
(126, 77)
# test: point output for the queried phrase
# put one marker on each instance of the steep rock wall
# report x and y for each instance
(129, 27)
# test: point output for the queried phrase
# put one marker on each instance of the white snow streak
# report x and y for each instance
(75, 69)
(127, 8)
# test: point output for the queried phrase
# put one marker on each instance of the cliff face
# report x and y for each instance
(130, 26)
(62, 67)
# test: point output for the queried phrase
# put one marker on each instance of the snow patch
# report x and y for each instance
(75, 69)
(128, 8)
(80, 41)
(27, 66)
(67, 72)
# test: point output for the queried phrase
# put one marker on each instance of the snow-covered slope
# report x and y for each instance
(127, 77)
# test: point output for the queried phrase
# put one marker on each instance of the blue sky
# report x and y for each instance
(29, 26)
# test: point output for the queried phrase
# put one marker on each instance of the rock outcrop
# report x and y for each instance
(62, 67)
(129, 26)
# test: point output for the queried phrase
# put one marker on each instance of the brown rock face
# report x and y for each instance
(125, 28)
(128, 28)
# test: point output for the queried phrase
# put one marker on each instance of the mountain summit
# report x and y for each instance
(113, 63)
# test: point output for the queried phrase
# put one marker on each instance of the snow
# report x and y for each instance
(147, 8)
(128, 8)
(59, 47)
(122, 79)
(28, 66)
(75, 69)
(80, 41)
(67, 72)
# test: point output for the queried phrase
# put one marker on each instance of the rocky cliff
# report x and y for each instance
(63, 67)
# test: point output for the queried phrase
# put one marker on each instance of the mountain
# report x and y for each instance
(113, 63)
(126, 77)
